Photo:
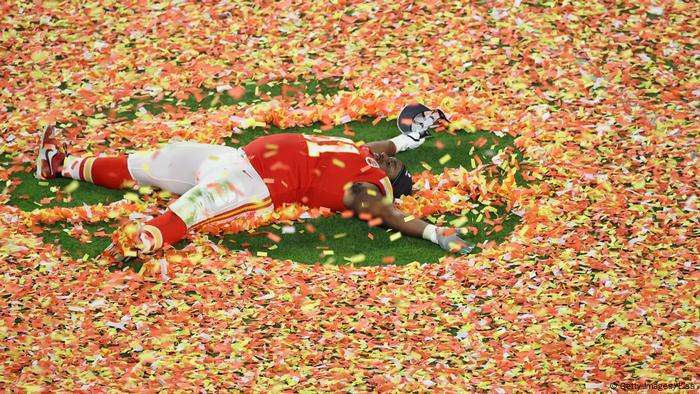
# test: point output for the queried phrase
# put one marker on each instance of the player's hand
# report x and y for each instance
(408, 141)
(127, 243)
(448, 239)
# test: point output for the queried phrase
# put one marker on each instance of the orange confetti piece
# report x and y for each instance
(236, 92)
(375, 222)
(603, 122)
(346, 214)
(274, 237)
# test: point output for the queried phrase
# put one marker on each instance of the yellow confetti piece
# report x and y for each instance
(164, 194)
(261, 254)
(133, 197)
(408, 218)
(40, 56)
(71, 187)
(523, 230)
(147, 357)
(328, 252)
(393, 237)
(340, 235)
(479, 218)
(459, 222)
(358, 258)
(32, 388)
(339, 163)
(444, 159)
(309, 306)
(639, 184)
(93, 122)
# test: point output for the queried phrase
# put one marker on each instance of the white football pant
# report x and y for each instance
(214, 182)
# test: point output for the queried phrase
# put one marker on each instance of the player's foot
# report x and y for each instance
(49, 163)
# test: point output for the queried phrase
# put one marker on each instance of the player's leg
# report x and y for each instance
(52, 162)
(174, 167)
(227, 187)
(110, 172)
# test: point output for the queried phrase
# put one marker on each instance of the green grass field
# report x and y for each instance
(585, 278)
(345, 238)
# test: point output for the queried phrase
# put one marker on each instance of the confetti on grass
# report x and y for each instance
(595, 286)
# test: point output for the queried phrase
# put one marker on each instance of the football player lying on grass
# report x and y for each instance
(220, 182)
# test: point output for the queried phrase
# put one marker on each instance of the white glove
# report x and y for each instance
(407, 141)
(448, 239)
(452, 242)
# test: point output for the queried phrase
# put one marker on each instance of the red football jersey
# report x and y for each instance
(314, 170)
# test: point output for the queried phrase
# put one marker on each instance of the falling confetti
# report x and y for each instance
(596, 286)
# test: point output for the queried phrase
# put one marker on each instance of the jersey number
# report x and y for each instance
(318, 144)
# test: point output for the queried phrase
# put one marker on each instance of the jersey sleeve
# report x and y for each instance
(386, 188)
(375, 175)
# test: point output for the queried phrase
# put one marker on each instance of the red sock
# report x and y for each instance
(167, 228)
(111, 172)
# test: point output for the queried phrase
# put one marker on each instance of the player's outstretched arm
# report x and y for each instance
(397, 144)
(367, 202)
